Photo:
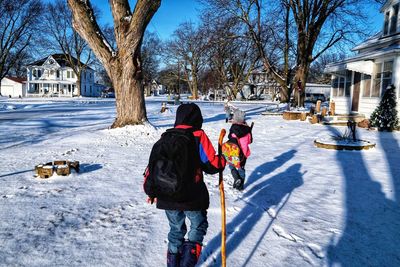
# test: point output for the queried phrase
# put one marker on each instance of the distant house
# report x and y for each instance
(359, 82)
(13, 86)
(261, 84)
(316, 91)
(53, 76)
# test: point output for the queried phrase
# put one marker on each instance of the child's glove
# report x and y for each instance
(151, 200)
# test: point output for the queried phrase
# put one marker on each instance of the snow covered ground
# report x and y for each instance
(302, 205)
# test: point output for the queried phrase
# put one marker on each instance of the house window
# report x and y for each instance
(376, 88)
(39, 73)
(73, 74)
(387, 75)
(393, 19)
(348, 83)
(341, 86)
(386, 24)
(366, 85)
(58, 74)
(68, 74)
(335, 83)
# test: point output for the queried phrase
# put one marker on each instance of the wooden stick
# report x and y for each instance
(222, 199)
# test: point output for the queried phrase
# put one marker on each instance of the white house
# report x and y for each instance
(13, 86)
(53, 76)
(358, 83)
(262, 84)
(317, 91)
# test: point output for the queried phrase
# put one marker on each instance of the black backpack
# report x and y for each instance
(172, 167)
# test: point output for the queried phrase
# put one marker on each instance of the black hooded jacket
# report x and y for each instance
(188, 116)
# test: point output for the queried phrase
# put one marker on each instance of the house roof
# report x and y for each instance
(16, 79)
(364, 60)
(378, 40)
(61, 60)
(387, 4)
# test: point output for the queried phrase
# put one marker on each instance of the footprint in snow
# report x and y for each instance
(279, 231)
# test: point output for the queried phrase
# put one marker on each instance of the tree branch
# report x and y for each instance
(85, 24)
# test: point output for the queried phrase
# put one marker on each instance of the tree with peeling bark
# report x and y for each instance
(123, 63)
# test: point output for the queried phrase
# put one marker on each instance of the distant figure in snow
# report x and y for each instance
(239, 134)
(228, 108)
(163, 107)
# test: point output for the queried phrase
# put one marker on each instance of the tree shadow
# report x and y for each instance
(269, 167)
(85, 168)
(372, 221)
(14, 173)
(390, 146)
(259, 199)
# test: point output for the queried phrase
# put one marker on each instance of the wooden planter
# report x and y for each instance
(292, 115)
(44, 171)
(303, 116)
(61, 167)
(366, 146)
(314, 119)
(63, 170)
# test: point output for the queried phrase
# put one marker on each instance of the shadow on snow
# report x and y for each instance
(372, 221)
(259, 199)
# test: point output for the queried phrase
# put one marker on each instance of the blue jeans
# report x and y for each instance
(177, 232)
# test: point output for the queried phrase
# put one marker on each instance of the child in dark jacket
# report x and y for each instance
(240, 133)
(183, 252)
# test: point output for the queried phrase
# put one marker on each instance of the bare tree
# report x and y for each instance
(317, 74)
(261, 33)
(18, 22)
(311, 27)
(123, 64)
(230, 57)
(187, 50)
(63, 37)
(151, 51)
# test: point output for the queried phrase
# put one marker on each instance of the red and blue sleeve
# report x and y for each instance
(210, 162)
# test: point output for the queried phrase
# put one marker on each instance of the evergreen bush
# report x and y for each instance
(385, 116)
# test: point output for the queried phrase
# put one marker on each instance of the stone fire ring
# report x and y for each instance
(343, 144)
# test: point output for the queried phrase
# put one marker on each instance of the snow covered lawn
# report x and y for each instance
(302, 205)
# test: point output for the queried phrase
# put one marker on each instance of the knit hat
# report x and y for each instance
(238, 116)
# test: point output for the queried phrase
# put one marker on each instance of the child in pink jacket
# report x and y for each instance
(240, 133)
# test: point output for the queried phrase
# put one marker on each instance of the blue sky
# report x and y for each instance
(174, 12)
(170, 14)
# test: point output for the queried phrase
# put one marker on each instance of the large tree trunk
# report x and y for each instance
(300, 75)
(124, 65)
(130, 102)
(127, 80)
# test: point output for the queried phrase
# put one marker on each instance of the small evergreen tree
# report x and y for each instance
(385, 115)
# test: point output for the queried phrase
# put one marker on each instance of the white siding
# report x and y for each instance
(9, 87)
(342, 105)
(368, 105)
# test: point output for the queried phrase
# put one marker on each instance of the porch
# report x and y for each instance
(50, 88)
